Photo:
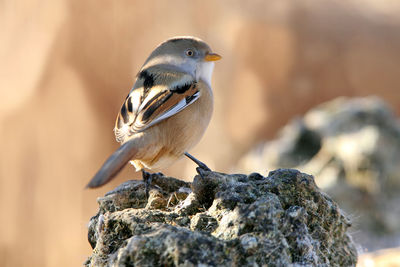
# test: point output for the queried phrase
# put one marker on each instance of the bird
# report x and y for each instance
(166, 112)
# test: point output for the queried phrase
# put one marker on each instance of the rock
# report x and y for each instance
(352, 147)
(239, 220)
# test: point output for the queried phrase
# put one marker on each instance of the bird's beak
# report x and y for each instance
(212, 57)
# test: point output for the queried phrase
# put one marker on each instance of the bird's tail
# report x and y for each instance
(114, 164)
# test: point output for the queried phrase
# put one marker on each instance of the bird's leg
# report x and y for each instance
(198, 162)
(202, 167)
(147, 181)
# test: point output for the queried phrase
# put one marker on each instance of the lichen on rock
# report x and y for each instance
(224, 220)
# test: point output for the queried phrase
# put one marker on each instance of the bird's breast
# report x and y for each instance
(177, 134)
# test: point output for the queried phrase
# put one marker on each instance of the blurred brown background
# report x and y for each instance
(66, 66)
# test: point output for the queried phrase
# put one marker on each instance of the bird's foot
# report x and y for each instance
(202, 172)
(147, 177)
(202, 169)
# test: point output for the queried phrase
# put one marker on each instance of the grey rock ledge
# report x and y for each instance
(221, 220)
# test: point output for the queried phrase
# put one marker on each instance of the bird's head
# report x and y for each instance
(186, 54)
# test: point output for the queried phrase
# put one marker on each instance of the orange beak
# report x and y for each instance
(212, 57)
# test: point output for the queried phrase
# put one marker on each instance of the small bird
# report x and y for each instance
(166, 112)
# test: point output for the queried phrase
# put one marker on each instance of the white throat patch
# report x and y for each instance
(204, 72)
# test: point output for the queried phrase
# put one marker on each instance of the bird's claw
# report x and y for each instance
(203, 171)
(147, 177)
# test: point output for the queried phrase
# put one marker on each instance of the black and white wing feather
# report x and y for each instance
(156, 96)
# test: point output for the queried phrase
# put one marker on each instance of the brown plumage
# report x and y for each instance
(167, 111)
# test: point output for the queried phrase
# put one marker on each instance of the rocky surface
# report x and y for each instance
(352, 147)
(221, 220)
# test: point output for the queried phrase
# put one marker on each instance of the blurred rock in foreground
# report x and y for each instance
(221, 220)
(352, 147)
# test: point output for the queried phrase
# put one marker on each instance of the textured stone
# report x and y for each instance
(352, 146)
(240, 220)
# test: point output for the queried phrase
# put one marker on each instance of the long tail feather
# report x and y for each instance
(114, 164)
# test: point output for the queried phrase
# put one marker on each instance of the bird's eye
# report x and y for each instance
(189, 53)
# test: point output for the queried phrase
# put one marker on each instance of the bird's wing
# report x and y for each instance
(156, 96)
